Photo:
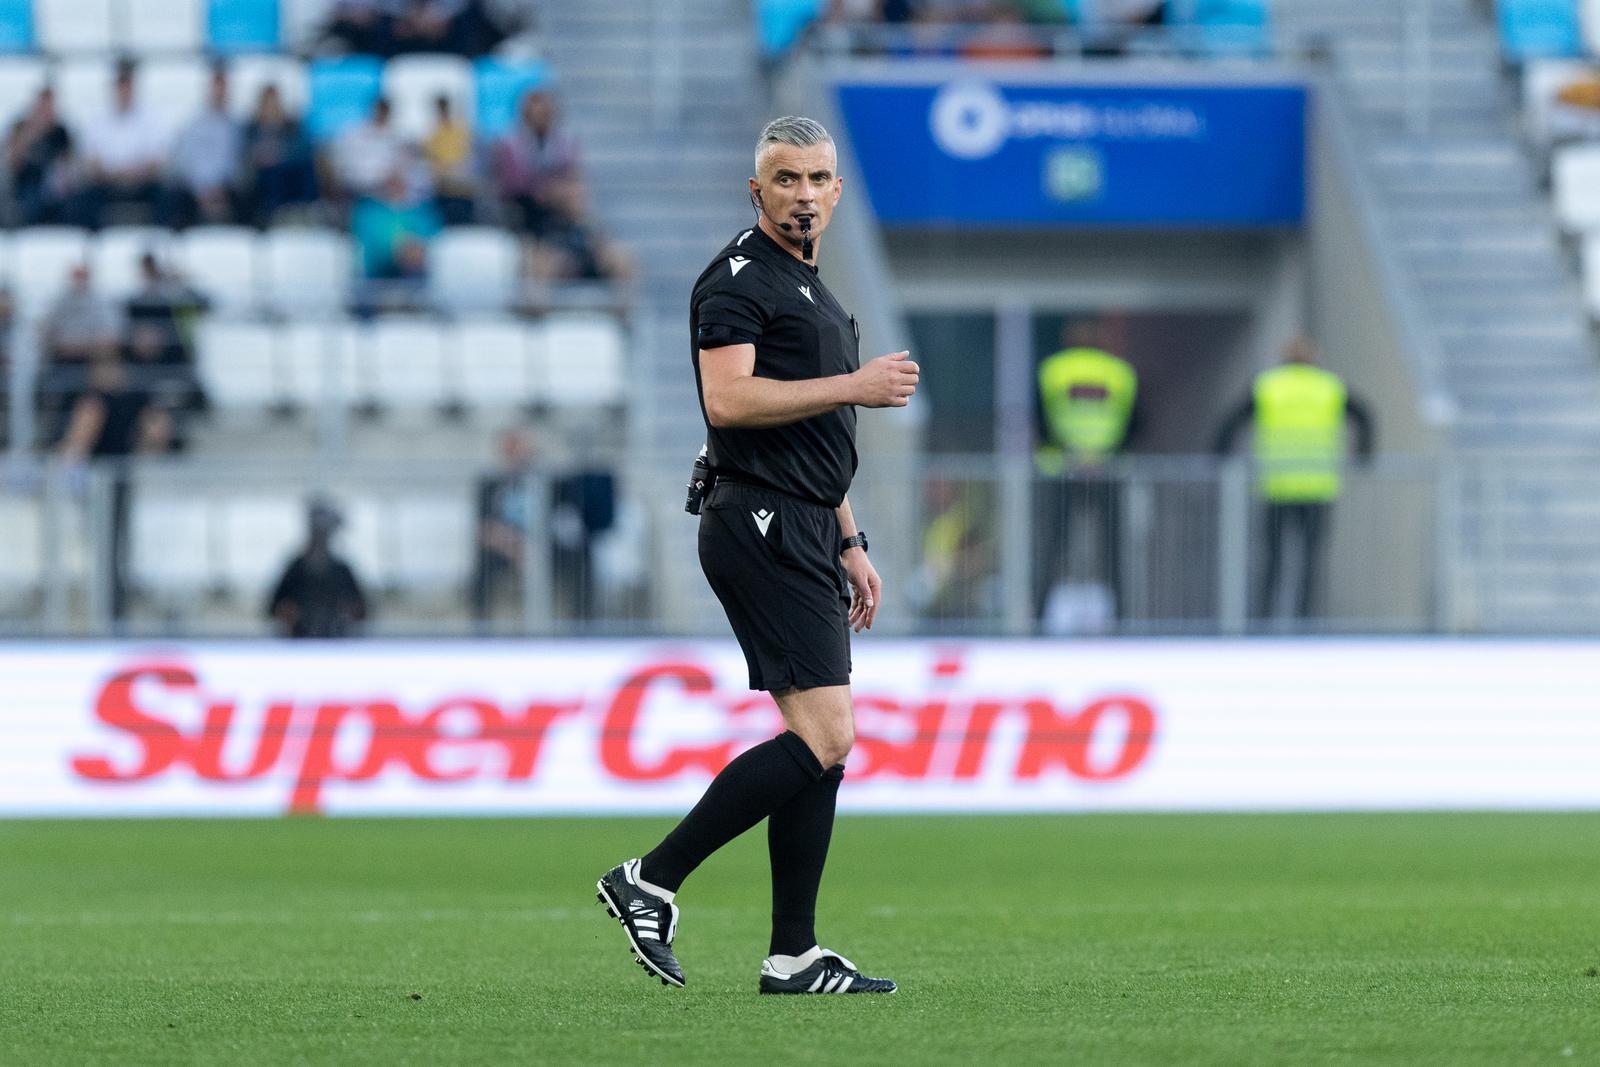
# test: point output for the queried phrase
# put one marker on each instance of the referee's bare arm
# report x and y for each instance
(735, 397)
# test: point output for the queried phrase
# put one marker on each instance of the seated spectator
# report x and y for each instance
(205, 160)
(363, 27)
(451, 160)
(112, 417)
(318, 594)
(39, 162)
(572, 246)
(535, 156)
(82, 328)
(160, 352)
(366, 153)
(392, 230)
(279, 168)
(459, 27)
(1575, 111)
(124, 152)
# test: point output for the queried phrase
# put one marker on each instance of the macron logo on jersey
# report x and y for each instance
(763, 520)
(805, 291)
(738, 263)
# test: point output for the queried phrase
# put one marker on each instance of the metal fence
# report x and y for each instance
(1150, 545)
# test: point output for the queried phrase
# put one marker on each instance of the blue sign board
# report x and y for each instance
(972, 153)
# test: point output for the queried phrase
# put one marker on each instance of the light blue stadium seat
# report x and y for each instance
(242, 25)
(342, 92)
(1537, 28)
(500, 86)
(16, 25)
(1223, 27)
(781, 21)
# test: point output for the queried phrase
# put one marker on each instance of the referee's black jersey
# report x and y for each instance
(756, 293)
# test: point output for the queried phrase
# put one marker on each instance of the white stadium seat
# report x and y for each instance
(174, 90)
(21, 78)
(150, 26)
(307, 269)
(1590, 14)
(22, 534)
(432, 536)
(361, 541)
(493, 355)
(1591, 273)
(1575, 175)
(260, 533)
(221, 262)
(171, 543)
(1542, 79)
(248, 75)
(322, 360)
(74, 25)
(300, 20)
(83, 90)
(115, 252)
(407, 356)
(238, 364)
(42, 257)
(582, 360)
(474, 268)
(412, 82)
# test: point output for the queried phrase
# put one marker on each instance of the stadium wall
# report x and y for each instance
(634, 726)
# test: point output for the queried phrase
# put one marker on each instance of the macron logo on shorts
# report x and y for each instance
(763, 520)
(738, 263)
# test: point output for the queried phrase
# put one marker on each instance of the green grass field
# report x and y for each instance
(1132, 939)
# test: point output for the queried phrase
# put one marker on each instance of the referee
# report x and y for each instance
(780, 377)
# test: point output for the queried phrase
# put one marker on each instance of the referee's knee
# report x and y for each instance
(835, 743)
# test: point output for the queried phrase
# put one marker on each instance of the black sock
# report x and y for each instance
(747, 791)
(797, 842)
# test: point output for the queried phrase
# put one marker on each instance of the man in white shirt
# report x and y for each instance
(365, 154)
(205, 162)
(124, 152)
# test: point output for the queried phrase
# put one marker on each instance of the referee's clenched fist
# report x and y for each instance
(780, 377)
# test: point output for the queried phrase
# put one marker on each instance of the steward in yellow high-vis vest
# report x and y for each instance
(1087, 396)
(1302, 417)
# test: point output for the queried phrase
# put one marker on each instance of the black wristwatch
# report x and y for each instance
(855, 540)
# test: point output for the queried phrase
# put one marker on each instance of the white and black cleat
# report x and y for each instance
(650, 922)
(831, 973)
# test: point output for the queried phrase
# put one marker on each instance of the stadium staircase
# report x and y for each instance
(1469, 225)
(668, 181)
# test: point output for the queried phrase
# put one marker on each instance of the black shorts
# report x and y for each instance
(773, 561)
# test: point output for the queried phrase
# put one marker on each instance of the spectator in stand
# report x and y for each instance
(363, 27)
(81, 328)
(205, 161)
(318, 594)
(392, 229)
(124, 151)
(504, 511)
(39, 162)
(532, 159)
(571, 246)
(453, 164)
(367, 153)
(161, 316)
(279, 167)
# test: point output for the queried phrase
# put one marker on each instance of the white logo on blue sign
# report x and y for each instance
(969, 119)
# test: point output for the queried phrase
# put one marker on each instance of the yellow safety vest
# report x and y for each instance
(1299, 433)
(1088, 396)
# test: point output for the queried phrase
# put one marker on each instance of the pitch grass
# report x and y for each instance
(1407, 939)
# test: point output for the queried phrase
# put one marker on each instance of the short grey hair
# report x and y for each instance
(794, 130)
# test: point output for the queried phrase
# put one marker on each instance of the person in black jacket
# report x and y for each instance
(318, 594)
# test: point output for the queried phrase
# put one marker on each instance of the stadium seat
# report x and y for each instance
(322, 360)
(581, 362)
(175, 89)
(301, 21)
(43, 256)
(433, 538)
(780, 22)
(1530, 28)
(62, 26)
(238, 364)
(492, 353)
(260, 533)
(1224, 27)
(83, 89)
(221, 262)
(1575, 176)
(1542, 79)
(170, 550)
(1591, 274)
(22, 532)
(21, 78)
(248, 75)
(407, 359)
(308, 269)
(156, 26)
(412, 82)
(16, 29)
(242, 25)
(342, 92)
(1589, 25)
(500, 88)
(474, 268)
(361, 541)
(114, 256)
